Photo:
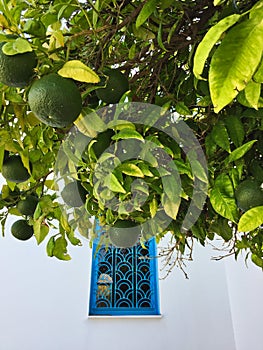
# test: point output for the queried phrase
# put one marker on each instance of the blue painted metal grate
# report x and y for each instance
(124, 281)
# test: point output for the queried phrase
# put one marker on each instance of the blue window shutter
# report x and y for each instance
(124, 281)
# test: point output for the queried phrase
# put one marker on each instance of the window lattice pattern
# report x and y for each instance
(124, 281)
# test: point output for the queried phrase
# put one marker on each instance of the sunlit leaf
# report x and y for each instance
(234, 62)
(251, 219)
(222, 198)
(258, 76)
(146, 11)
(210, 39)
(89, 123)
(128, 134)
(240, 151)
(252, 93)
(131, 169)
(171, 206)
(77, 70)
(17, 46)
(113, 184)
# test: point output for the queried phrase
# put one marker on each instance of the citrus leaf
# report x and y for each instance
(170, 206)
(222, 228)
(252, 93)
(251, 219)
(3, 21)
(218, 2)
(240, 151)
(2, 152)
(182, 109)
(235, 129)
(258, 76)
(17, 46)
(153, 207)
(146, 11)
(222, 198)
(128, 134)
(40, 230)
(113, 183)
(220, 136)
(199, 170)
(50, 246)
(77, 70)
(60, 249)
(241, 98)
(89, 123)
(131, 169)
(209, 40)
(234, 62)
(257, 260)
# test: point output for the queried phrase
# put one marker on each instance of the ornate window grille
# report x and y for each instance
(124, 281)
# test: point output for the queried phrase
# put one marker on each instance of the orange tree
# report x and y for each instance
(63, 65)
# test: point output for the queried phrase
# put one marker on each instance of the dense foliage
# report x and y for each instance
(199, 59)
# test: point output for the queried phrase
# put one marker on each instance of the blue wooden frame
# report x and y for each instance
(141, 287)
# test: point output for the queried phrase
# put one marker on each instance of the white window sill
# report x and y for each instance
(125, 316)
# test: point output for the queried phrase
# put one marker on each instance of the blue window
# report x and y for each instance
(124, 281)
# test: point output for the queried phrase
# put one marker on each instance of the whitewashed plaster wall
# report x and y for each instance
(44, 305)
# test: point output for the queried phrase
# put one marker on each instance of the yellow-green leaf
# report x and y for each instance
(17, 46)
(77, 70)
(171, 207)
(251, 219)
(113, 184)
(146, 11)
(235, 62)
(252, 93)
(210, 39)
(131, 169)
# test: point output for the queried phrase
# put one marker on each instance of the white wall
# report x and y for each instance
(43, 305)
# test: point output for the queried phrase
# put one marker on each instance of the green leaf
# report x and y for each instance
(171, 206)
(220, 136)
(221, 227)
(241, 98)
(50, 246)
(77, 70)
(210, 39)
(146, 11)
(2, 152)
(127, 133)
(60, 249)
(235, 129)
(252, 93)
(153, 207)
(218, 2)
(183, 168)
(113, 183)
(182, 109)
(240, 151)
(251, 219)
(131, 169)
(257, 260)
(222, 198)
(234, 62)
(40, 230)
(16, 47)
(89, 123)
(258, 76)
(199, 170)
